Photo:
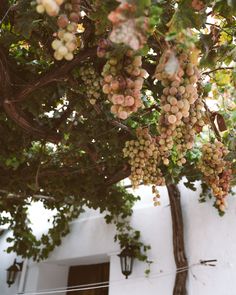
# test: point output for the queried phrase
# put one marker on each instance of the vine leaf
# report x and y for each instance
(185, 17)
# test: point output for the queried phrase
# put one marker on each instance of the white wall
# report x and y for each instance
(48, 281)
(5, 261)
(207, 236)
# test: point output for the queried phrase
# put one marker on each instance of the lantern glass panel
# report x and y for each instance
(126, 261)
(11, 274)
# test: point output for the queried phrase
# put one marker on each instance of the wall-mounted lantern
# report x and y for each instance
(127, 261)
(12, 272)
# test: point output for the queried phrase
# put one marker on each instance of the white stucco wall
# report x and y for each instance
(5, 261)
(207, 236)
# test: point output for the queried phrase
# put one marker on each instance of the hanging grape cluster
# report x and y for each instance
(127, 28)
(144, 159)
(181, 107)
(66, 42)
(198, 5)
(216, 171)
(123, 79)
(51, 7)
(92, 82)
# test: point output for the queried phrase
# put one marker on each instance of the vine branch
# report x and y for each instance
(178, 239)
(212, 123)
(217, 69)
(56, 74)
(9, 104)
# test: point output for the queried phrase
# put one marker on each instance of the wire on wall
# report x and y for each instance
(106, 284)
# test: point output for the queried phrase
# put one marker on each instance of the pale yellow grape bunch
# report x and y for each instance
(122, 82)
(67, 22)
(181, 107)
(144, 159)
(180, 90)
(186, 132)
(217, 171)
(67, 41)
(66, 44)
(92, 82)
(156, 198)
(51, 7)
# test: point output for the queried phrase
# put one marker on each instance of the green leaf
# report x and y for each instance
(186, 17)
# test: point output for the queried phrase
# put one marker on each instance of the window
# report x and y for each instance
(88, 274)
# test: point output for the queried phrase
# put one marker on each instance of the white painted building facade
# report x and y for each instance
(207, 236)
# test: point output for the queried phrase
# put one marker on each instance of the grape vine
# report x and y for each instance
(56, 93)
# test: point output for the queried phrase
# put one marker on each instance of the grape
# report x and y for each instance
(198, 4)
(62, 21)
(50, 6)
(69, 56)
(144, 159)
(217, 172)
(40, 8)
(127, 27)
(67, 41)
(122, 82)
(181, 107)
(92, 82)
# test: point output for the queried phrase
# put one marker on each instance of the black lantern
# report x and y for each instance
(127, 261)
(12, 272)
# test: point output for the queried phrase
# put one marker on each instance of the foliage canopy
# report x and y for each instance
(68, 107)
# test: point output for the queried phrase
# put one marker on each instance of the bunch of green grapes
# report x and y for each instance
(186, 132)
(123, 79)
(144, 159)
(181, 107)
(92, 82)
(217, 172)
(66, 42)
(51, 7)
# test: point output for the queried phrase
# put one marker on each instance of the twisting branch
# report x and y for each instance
(121, 126)
(217, 69)
(28, 125)
(55, 75)
(19, 117)
(10, 195)
(211, 118)
(219, 27)
(9, 104)
(113, 121)
(118, 176)
(178, 239)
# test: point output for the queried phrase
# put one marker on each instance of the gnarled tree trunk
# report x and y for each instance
(178, 240)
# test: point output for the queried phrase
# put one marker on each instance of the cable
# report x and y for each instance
(115, 281)
(65, 290)
(77, 286)
(106, 284)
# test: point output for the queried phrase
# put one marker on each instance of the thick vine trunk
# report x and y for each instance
(178, 240)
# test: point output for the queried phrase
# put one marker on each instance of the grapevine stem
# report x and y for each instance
(217, 69)
(178, 239)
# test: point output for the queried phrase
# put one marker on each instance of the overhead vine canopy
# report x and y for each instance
(93, 92)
